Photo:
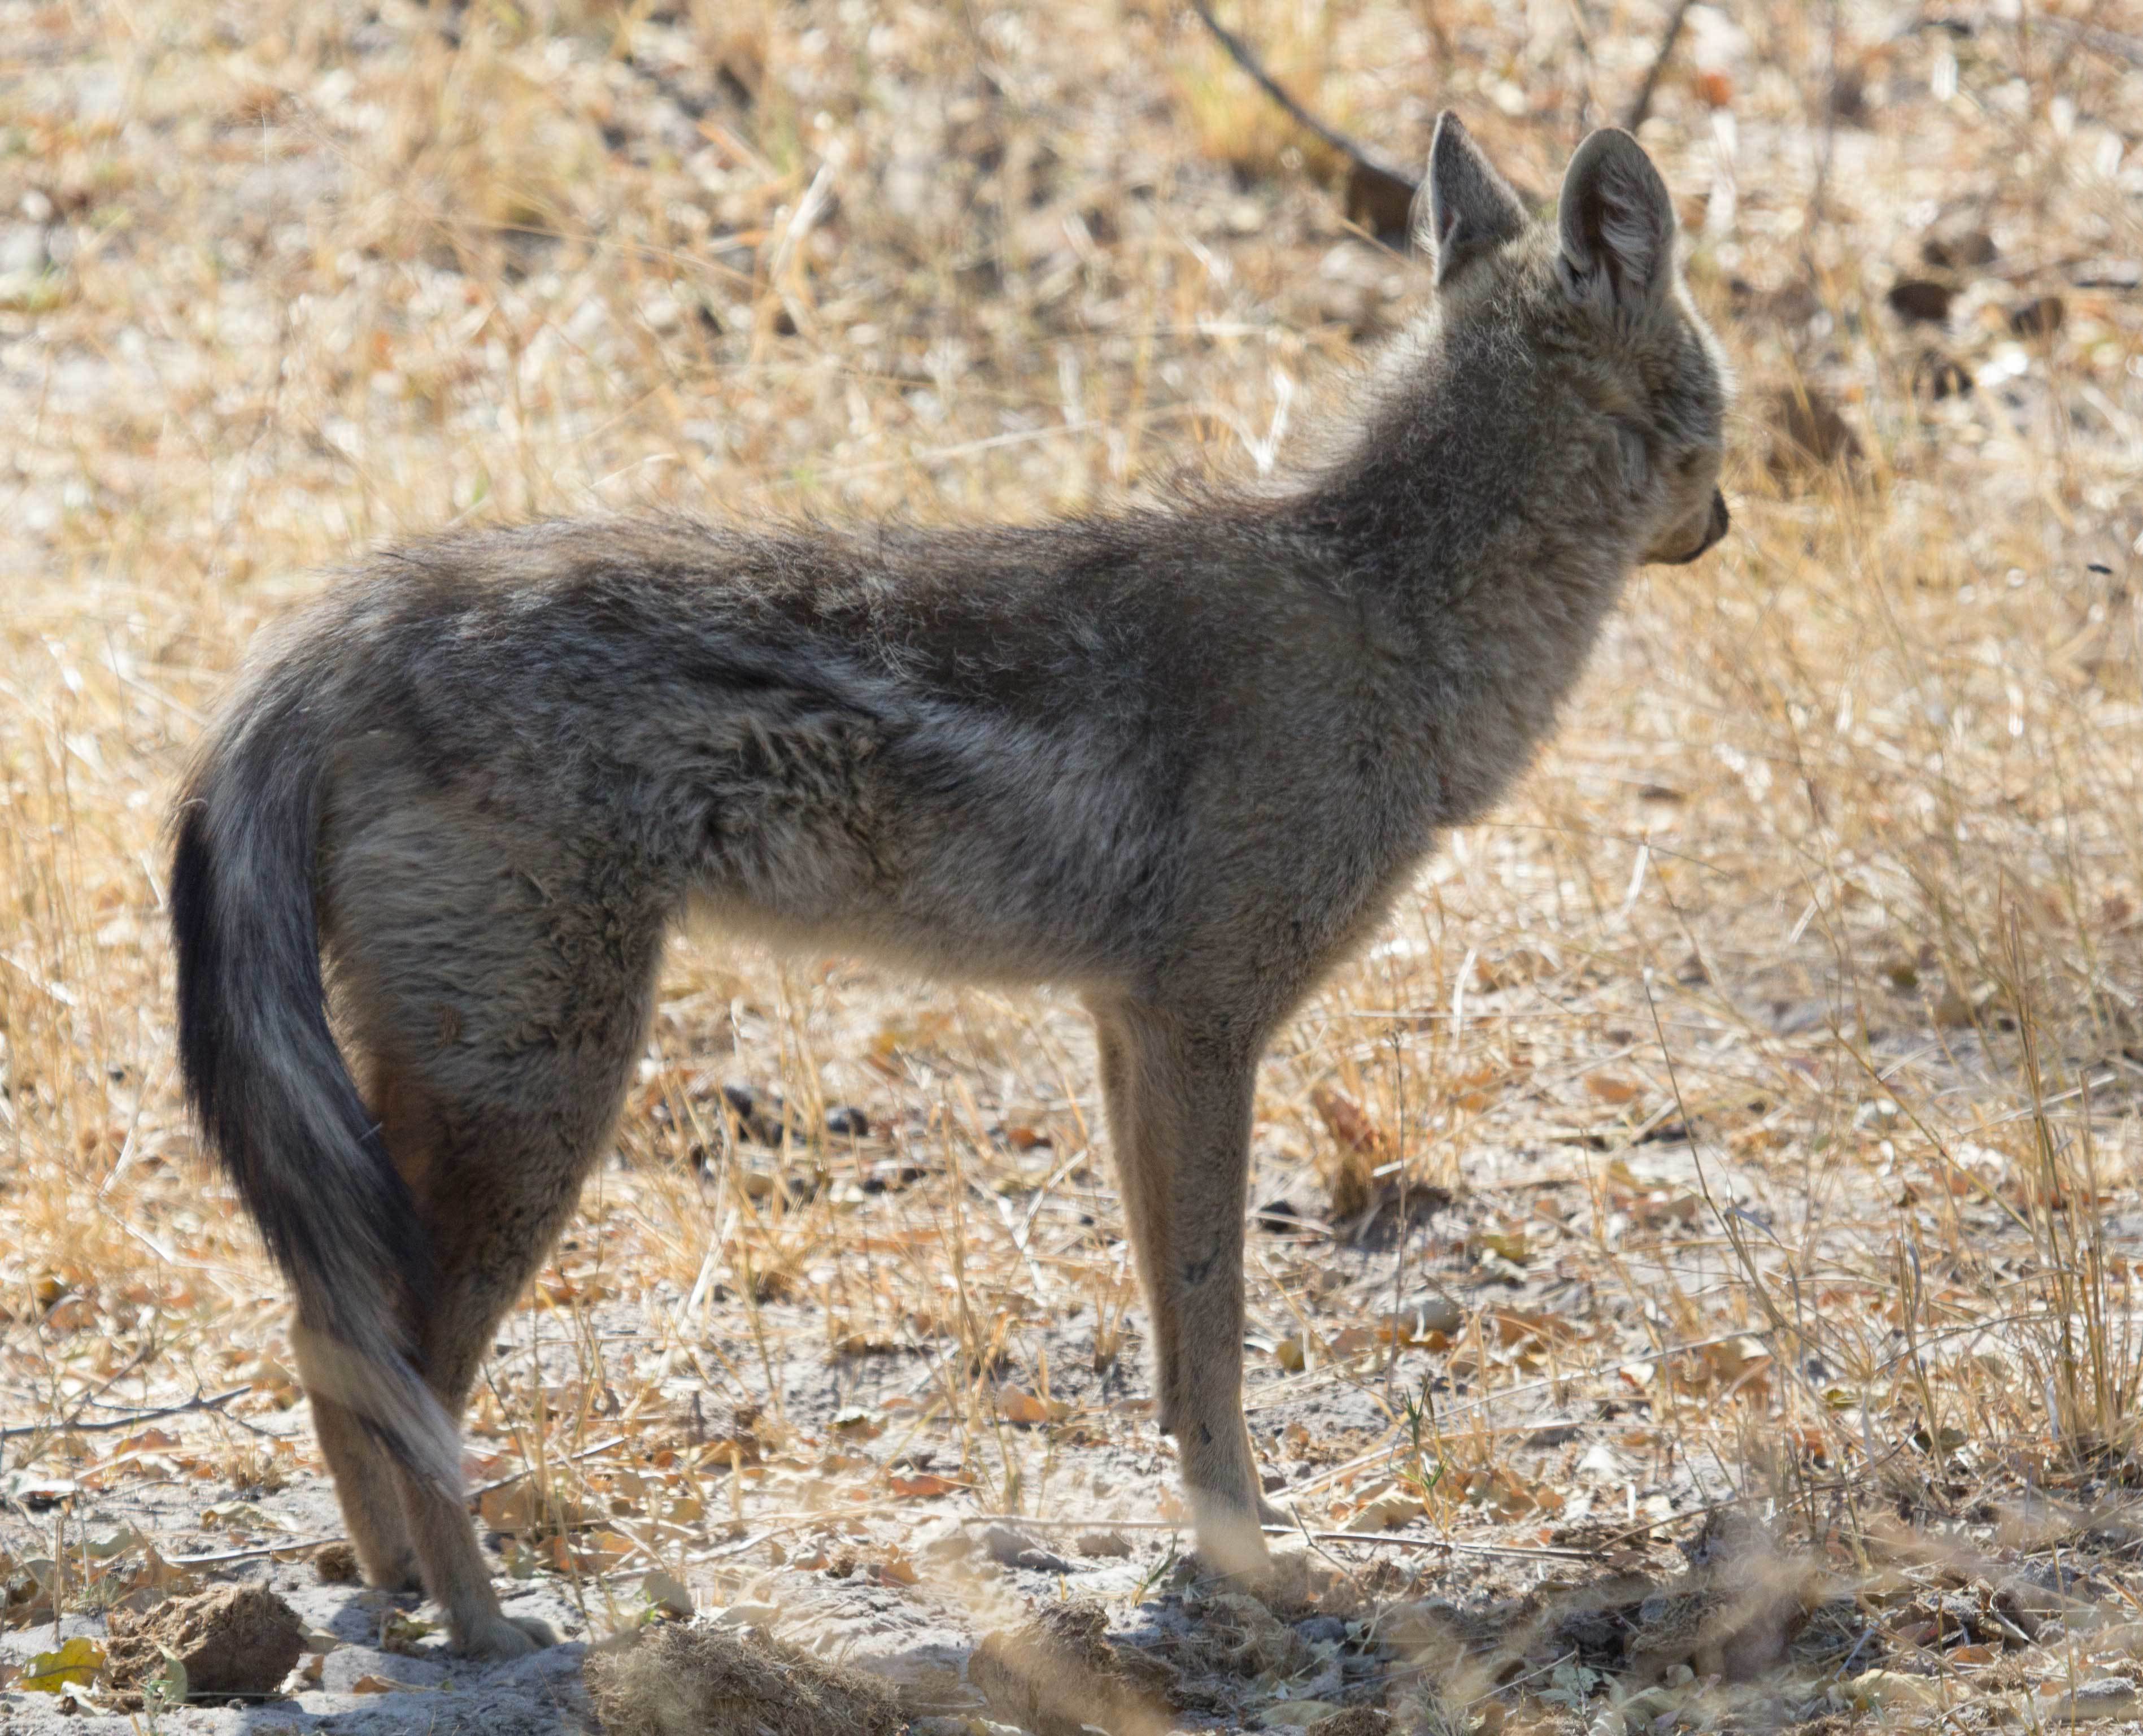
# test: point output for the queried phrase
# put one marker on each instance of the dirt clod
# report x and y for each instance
(1353, 1721)
(712, 1681)
(1061, 1672)
(241, 1639)
(337, 1564)
(1235, 1634)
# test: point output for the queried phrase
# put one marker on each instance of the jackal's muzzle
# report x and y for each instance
(1715, 527)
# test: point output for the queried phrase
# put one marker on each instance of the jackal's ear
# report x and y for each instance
(1618, 226)
(1465, 207)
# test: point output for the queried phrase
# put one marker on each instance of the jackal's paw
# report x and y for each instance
(499, 1638)
(400, 1575)
(1229, 1539)
(1272, 1513)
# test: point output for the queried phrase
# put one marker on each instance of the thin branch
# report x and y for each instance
(1241, 53)
(1642, 105)
(292, 1546)
(134, 1419)
(1391, 1539)
(529, 1470)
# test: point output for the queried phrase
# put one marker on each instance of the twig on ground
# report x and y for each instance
(782, 1529)
(133, 1419)
(1641, 105)
(527, 1470)
(254, 1552)
(1392, 1538)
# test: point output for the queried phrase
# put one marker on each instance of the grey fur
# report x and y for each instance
(1617, 225)
(1179, 760)
(1471, 209)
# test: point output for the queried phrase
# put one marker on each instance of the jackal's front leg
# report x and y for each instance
(1180, 1105)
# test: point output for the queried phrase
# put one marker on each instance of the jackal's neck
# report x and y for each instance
(1474, 460)
(1475, 519)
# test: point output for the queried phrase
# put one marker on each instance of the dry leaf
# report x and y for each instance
(1387, 1509)
(1427, 1321)
(1609, 1087)
(241, 1516)
(401, 1631)
(1887, 1689)
(76, 1662)
(923, 1485)
(1018, 1405)
(667, 1595)
(1512, 1248)
(896, 1570)
(605, 1549)
(147, 1440)
(520, 1507)
(386, 1684)
(1345, 1120)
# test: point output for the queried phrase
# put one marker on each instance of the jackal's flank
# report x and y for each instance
(1178, 759)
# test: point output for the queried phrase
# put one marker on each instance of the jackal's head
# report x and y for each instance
(1599, 298)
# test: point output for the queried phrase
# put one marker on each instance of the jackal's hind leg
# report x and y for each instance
(500, 977)
(367, 1488)
(1142, 1184)
(502, 1189)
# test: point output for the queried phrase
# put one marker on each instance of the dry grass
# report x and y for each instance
(1777, 1050)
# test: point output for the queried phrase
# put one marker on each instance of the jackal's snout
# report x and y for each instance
(1715, 526)
(1715, 521)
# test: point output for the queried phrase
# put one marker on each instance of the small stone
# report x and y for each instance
(2101, 1696)
(1005, 1546)
(760, 1118)
(1938, 376)
(1964, 249)
(22, 251)
(943, 1539)
(1921, 299)
(2040, 317)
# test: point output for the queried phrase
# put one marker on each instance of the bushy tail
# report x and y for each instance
(273, 1094)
